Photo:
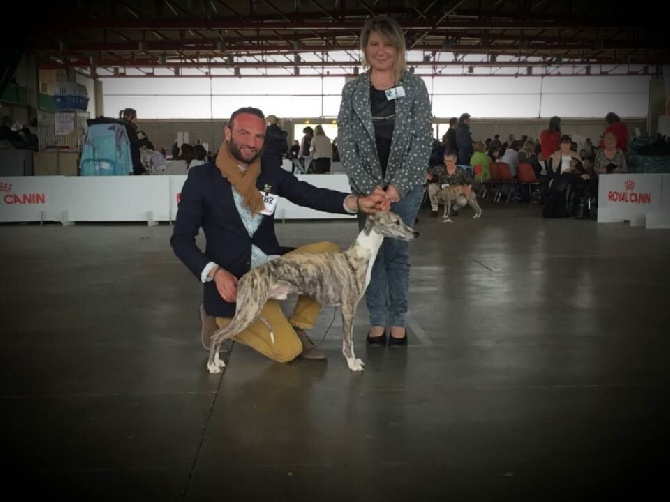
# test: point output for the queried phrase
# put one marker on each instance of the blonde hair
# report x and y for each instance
(318, 131)
(529, 146)
(479, 146)
(391, 31)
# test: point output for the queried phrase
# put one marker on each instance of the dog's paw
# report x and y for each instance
(477, 215)
(447, 220)
(355, 364)
(216, 366)
(213, 368)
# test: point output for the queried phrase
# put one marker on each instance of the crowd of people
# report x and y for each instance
(547, 156)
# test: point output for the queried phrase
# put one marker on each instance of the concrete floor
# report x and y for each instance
(537, 370)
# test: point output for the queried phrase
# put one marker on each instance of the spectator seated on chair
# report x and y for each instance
(480, 158)
(568, 176)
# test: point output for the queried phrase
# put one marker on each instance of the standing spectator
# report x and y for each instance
(464, 140)
(449, 138)
(276, 142)
(619, 129)
(394, 104)
(550, 138)
(175, 151)
(30, 139)
(305, 144)
(294, 150)
(321, 151)
(129, 119)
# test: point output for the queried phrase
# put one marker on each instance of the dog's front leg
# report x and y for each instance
(348, 312)
(447, 206)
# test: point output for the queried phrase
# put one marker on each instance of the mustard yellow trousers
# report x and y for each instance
(287, 346)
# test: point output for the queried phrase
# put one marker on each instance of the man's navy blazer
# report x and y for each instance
(207, 201)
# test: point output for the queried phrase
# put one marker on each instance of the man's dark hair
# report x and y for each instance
(247, 109)
(128, 113)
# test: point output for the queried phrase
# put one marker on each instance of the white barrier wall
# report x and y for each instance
(118, 198)
(641, 199)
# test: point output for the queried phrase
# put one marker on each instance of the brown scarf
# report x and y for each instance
(243, 181)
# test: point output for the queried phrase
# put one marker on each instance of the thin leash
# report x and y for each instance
(329, 326)
(272, 333)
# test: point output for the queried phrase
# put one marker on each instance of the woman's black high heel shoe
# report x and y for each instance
(376, 341)
(398, 342)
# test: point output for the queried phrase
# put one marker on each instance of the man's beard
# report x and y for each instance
(237, 153)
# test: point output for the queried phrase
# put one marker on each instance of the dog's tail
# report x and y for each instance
(250, 303)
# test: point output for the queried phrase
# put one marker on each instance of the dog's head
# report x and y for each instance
(389, 224)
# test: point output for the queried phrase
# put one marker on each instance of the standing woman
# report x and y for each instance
(385, 137)
(321, 150)
(550, 138)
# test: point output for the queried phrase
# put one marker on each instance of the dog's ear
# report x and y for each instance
(370, 221)
(373, 217)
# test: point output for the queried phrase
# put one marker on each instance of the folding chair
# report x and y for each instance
(487, 183)
(525, 176)
(505, 178)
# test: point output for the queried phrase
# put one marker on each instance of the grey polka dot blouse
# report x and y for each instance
(411, 142)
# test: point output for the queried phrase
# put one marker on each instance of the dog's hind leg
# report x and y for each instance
(474, 204)
(214, 362)
(472, 199)
(249, 306)
(348, 311)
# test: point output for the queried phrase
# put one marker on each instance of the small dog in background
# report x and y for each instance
(460, 195)
(333, 279)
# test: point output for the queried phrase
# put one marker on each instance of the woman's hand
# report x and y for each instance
(376, 201)
(392, 194)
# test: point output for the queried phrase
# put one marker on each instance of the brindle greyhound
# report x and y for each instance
(333, 279)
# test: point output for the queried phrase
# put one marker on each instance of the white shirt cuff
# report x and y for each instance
(204, 276)
(345, 204)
